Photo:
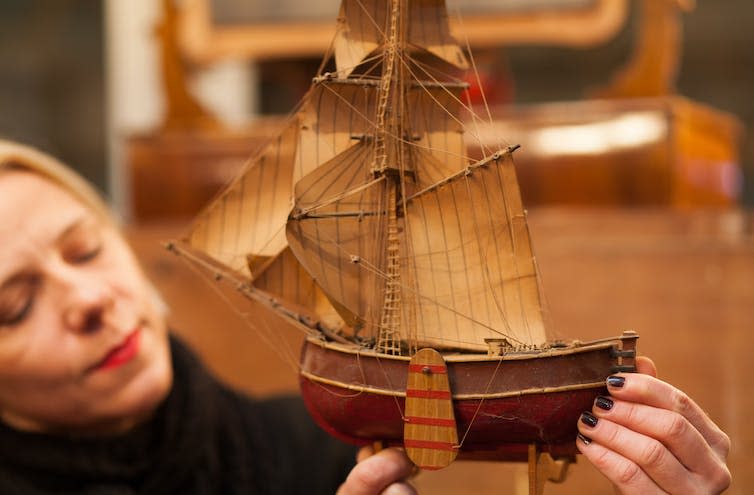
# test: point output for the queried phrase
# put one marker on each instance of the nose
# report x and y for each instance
(87, 302)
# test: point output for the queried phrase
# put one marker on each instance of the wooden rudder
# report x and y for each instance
(430, 435)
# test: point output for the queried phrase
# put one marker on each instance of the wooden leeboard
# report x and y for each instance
(429, 435)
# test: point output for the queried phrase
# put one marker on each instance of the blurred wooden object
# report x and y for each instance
(683, 280)
(633, 150)
(204, 41)
(173, 174)
(182, 110)
(543, 468)
(667, 151)
(653, 66)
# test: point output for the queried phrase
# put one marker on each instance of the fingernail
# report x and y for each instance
(584, 438)
(616, 381)
(603, 403)
(588, 419)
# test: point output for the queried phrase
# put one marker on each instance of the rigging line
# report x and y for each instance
(550, 326)
(545, 304)
(239, 213)
(374, 60)
(258, 209)
(331, 48)
(447, 258)
(497, 156)
(465, 105)
(304, 211)
(328, 54)
(369, 17)
(350, 105)
(247, 289)
(375, 125)
(205, 214)
(328, 171)
(481, 401)
(509, 215)
(458, 120)
(376, 271)
(332, 392)
(400, 139)
(500, 306)
(436, 81)
(463, 244)
(459, 19)
(265, 334)
(390, 385)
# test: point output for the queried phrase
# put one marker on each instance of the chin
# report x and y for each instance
(150, 387)
(137, 400)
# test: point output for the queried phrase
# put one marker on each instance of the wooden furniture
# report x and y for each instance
(665, 151)
(637, 145)
(682, 280)
(203, 40)
(174, 173)
(629, 152)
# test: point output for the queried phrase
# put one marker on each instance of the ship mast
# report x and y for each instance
(389, 164)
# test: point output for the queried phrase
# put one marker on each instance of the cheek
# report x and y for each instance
(40, 350)
(39, 375)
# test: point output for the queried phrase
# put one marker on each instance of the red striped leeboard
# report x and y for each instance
(430, 435)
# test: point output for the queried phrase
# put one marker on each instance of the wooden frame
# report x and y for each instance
(203, 42)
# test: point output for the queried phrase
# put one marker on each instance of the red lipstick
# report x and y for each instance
(123, 353)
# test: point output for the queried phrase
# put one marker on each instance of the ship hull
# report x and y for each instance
(502, 404)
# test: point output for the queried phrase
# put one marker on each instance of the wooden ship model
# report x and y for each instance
(408, 264)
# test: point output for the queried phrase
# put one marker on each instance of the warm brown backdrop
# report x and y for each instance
(683, 280)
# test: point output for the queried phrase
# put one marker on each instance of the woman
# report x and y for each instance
(95, 397)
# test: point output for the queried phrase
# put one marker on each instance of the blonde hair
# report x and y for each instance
(16, 156)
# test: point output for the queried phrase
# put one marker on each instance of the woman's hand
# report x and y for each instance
(385, 473)
(648, 437)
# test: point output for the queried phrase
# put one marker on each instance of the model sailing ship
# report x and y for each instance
(408, 264)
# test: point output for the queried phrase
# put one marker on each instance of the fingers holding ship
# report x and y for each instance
(649, 437)
(385, 473)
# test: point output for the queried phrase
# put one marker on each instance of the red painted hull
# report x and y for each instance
(501, 405)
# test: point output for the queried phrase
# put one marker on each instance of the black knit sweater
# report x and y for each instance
(204, 439)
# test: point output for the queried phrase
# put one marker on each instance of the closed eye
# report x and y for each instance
(86, 255)
(17, 300)
(17, 317)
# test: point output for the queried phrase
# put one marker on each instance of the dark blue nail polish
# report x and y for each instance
(584, 438)
(603, 403)
(616, 381)
(588, 419)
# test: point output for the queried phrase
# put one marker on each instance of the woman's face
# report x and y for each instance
(83, 342)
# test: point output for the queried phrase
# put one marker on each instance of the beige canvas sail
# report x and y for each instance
(363, 24)
(442, 243)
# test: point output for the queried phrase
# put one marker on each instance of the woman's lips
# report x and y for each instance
(123, 353)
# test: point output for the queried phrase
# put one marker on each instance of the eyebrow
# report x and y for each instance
(78, 223)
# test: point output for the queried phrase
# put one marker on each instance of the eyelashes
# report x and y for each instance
(18, 301)
(17, 317)
(86, 255)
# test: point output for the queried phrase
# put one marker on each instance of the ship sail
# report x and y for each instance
(367, 204)
(363, 24)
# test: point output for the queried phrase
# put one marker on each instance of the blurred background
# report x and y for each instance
(79, 77)
(636, 119)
